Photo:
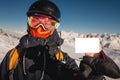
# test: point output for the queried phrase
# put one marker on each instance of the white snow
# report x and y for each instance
(110, 43)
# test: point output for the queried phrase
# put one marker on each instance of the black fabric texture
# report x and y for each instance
(101, 67)
(108, 68)
(38, 58)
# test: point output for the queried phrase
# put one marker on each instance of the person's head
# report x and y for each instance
(43, 18)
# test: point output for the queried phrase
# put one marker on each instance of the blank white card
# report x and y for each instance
(87, 45)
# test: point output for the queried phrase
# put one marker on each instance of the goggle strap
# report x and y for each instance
(57, 25)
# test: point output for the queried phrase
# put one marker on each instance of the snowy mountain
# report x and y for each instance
(110, 43)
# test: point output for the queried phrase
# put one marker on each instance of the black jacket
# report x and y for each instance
(37, 61)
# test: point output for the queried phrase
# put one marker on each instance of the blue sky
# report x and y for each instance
(82, 16)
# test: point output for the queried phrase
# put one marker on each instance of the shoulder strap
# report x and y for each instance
(14, 57)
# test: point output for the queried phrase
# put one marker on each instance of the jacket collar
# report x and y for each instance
(53, 41)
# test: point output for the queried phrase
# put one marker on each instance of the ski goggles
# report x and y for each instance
(46, 22)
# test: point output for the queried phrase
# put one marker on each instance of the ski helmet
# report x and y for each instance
(45, 7)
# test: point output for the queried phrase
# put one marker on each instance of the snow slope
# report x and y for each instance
(110, 42)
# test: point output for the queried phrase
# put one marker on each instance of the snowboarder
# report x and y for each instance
(38, 56)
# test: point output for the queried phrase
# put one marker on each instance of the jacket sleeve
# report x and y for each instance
(72, 70)
(79, 73)
(103, 65)
(4, 71)
(108, 67)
